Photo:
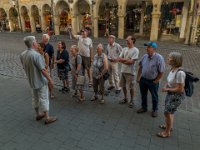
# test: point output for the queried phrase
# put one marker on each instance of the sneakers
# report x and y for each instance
(117, 91)
(124, 101)
(141, 110)
(154, 114)
(110, 88)
(102, 101)
(130, 105)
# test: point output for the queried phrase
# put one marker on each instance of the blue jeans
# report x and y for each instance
(146, 85)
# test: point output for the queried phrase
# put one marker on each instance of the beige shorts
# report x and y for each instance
(127, 80)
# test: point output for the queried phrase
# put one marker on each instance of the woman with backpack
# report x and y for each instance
(78, 73)
(175, 92)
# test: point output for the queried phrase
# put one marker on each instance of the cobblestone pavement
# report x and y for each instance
(90, 126)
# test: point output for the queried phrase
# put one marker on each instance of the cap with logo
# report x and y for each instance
(152, 44)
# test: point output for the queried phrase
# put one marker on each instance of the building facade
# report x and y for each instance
(156, 19)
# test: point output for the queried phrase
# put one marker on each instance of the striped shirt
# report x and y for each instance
(113, 51)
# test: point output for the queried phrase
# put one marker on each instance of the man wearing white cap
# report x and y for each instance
(113, 51)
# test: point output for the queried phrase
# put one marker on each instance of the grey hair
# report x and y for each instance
(177, 59)
(47, 36)
(75, 47)
(100, 45)
(112, 36)
(29, 40)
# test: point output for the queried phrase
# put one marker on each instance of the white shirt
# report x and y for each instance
(132, 54)
(174, 78)
(84, 45)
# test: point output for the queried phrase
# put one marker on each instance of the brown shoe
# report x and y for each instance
(50, 120)
(154, 114)
(141, 110)
(39, 117)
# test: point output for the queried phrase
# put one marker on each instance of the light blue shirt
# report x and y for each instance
(151, 66)
(33, 64)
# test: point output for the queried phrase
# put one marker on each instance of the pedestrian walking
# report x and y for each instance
(50, 50)
(128, 58)
(62, 61)
(85, 47)
(42, 51)
(175, 92)
(77, 72)
(100, 67)
(151, 69)
(68, 30)
(113, 52)
(38, 78)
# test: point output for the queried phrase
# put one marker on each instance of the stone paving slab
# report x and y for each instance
(89, 126)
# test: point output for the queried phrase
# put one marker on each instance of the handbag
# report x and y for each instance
(80, 80)
(106, 76)
(68, 67)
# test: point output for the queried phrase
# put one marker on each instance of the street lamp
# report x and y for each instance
(52, 16)
(92, 15)
(16, 3)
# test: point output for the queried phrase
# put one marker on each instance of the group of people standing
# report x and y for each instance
(39, 60)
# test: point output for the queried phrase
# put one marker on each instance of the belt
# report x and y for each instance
(147, 79)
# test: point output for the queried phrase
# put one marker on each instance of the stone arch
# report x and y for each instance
(3, 19)
(46, 15)
(108, 17)
(35, 13)
(62, 11)
(13, 19)
(3, 14)
(26, 18)
(82, 14)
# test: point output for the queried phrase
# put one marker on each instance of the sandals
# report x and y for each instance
(94, 98)
(90, 84)
(50, 120)
(163, 126)
(125, 100)
(52, 96)
(75, 95)
(80, 100)
(163, 135)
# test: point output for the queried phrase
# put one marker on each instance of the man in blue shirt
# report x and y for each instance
(50, 50)
(151, 69)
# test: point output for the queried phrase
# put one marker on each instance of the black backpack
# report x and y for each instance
(189, 79)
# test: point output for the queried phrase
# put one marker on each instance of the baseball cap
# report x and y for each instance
(152, 44)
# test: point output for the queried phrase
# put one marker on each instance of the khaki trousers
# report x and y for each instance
(114, 75)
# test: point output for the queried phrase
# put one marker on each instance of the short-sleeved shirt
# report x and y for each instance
(175, 77)
(84, 45)
(75, 62)
(151, 66)
(33, 64)
(65, 56)
(50, 50)
(113, 51)
(98, 64)
(129, 53)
